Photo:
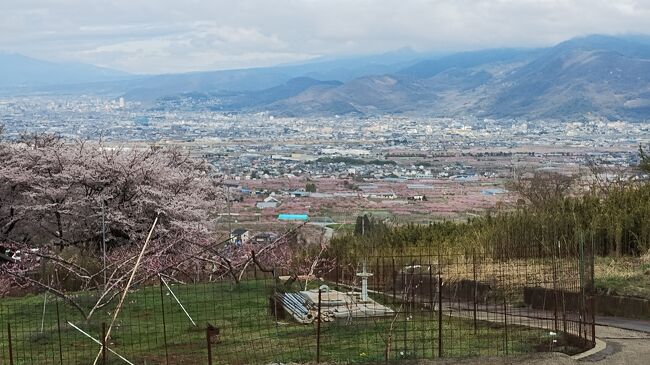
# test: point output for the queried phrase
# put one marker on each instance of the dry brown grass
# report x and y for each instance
(624, 267)
(627, 276)
(518, 273)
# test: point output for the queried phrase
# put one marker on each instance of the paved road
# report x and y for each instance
(624, 346)
(329, 232)
(627, 340)
(624, 323)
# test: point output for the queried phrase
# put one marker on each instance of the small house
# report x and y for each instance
(299, 194)
(263, 238)
(269, 202)
(390, 196)
(266, 205)
(239, 236)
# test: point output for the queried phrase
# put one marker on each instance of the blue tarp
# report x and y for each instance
(293, 217)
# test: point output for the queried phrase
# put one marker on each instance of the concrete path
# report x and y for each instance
(623, 347)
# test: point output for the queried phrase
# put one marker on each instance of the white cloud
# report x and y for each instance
(172, 35)
(200, 46)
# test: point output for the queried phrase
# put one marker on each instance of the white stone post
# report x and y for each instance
(364, 275)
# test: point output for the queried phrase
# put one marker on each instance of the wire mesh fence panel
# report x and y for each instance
(441, 303)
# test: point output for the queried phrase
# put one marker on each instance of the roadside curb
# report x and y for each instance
(600, 346)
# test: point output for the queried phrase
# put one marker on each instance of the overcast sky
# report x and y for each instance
(158, 36)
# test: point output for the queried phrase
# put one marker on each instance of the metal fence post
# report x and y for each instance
(406, 299)
(432, 304)
(412, 309)
(505, 321)
(58, 327)
(379, 277)
(207, 337)
(337, 271)
(103, 343)
(555, 316)
(11, 350)
(582, 322)
(394, 281)
(164, 322)
(318, 320)
(439, 306)
(474, 292)
(592, 290)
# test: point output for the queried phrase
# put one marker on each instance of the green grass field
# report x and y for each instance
(249, 332)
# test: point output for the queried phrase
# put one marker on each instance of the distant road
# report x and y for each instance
(329, 232)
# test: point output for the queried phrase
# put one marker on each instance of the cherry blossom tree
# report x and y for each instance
(52, 192)
(51, 197)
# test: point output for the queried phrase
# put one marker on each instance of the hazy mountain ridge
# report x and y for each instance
(597, 75)
(75, 78)
(18, 71)
(590, 75)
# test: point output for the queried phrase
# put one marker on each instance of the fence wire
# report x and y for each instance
(374, 309)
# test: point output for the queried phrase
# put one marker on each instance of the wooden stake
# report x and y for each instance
(128, 285)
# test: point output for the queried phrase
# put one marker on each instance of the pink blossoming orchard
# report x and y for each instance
(62, 203)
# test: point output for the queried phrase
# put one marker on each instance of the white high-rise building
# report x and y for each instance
(122, 104)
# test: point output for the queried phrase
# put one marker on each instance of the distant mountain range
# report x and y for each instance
(18, 71)
(596, 75)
